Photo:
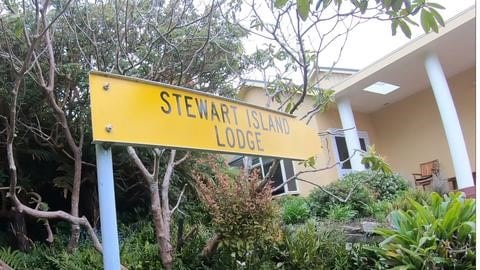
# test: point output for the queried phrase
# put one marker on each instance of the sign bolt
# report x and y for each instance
(106, 86)
(108, 128)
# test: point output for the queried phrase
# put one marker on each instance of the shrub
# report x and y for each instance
(43, 257)
(295, 210)
(246, 219)
(139, 250)
(320, 202)
(384, 186)
(362, 257)
(189, 256)
(379, 210)
(315, 246)
(403, 201)
(341, 212)
(437, 235)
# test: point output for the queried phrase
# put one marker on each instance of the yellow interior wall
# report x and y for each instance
(410, 131)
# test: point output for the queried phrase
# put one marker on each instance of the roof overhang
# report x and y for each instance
(454, 45)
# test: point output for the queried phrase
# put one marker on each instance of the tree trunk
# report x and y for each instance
(77, 180)
(162, 227)
(4, 266)
(20, 231)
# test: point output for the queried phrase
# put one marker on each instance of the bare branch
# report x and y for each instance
(133, 155)
(179, 200)
(296, 176)
(182, 159)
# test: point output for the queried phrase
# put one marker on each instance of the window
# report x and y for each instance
(283, 173)
(341, 151)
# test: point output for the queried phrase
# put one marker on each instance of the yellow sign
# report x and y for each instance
(139, 112)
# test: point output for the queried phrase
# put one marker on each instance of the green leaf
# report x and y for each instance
(405, 28)
(280, 3)
(394, 26)
(326, 3)
(437, 16)
(397, 5)
(387, 4)
(303, 8)
(288, 107)
(424, 20)
(433, 23)
(363, 6)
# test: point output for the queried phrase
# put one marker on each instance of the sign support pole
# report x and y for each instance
(108, 214)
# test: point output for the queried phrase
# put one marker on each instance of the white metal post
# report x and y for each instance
(108, 214)
(451, 124)
(351, 134)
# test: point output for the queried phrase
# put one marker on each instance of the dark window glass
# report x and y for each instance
(362, 144)
(343, 152)
(237, 162)
(288, 165)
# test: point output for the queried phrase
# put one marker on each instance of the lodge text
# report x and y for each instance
(242, 132)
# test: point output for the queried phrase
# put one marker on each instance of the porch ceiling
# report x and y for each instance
(454, 46)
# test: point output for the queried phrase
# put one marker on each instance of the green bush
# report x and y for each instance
(383, 186)
(295, 210)
(341, 212)
(437, 235)
(11, 257)
(189, 256)
(320, 202)
(56, 257)
(139, 249)
(379, 210)
(315, 246)
(247, 220)
(362, 257)
(403, 201)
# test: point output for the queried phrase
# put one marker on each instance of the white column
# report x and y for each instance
(453, 131)
(351, 134)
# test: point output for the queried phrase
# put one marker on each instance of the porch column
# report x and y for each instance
(453, 131)
(351, 134)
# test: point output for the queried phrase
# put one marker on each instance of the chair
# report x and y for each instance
(427, 171)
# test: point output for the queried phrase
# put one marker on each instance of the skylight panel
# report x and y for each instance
(382, 88)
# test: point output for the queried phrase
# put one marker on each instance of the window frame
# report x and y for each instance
(361, 135)
(261, 164)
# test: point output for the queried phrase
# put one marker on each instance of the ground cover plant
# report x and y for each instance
(435, 235)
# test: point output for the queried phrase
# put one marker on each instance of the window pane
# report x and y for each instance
(362, 144)
(255, 161)
(237, 162)
(277, 177)
(343, 151)
(288, 166)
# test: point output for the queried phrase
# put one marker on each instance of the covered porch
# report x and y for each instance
(429, 113)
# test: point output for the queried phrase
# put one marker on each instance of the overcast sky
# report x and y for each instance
(373, 40)
(370, 41)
